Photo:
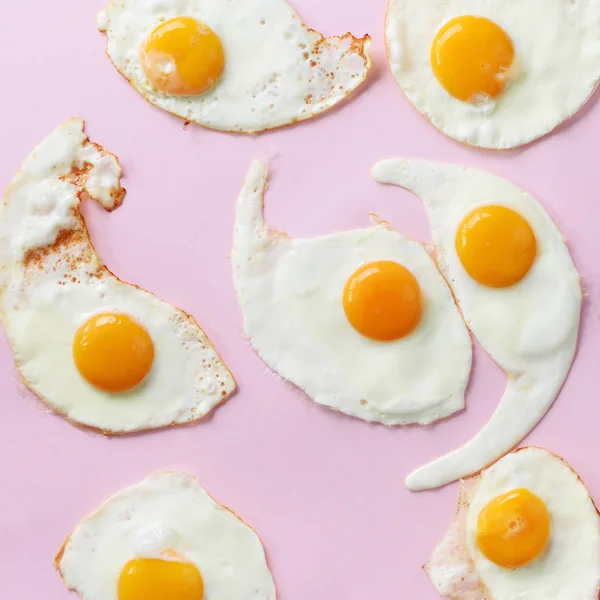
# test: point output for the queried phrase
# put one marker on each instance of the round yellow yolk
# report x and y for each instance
(496, 246)
(158, 579)
(470, 57)
(382, 301)
(113, 352)
(182, 56)
(513, 529)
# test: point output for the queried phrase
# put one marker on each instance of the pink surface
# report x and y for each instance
(324, 491)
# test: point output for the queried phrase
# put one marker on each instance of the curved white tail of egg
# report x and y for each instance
(524, 403)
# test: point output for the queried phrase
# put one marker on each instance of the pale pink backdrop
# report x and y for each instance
(324, 491)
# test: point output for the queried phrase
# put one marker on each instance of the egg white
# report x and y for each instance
(556, 69)
(530, 329)
(52, 281)
(168, 511)
(291, 295)
(277, 70)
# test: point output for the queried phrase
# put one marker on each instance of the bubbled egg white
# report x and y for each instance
(53, 284)
(275, 70)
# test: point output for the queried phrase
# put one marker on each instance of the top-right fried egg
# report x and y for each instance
(495, 73)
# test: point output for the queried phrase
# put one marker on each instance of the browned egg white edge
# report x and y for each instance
(357, 46)
(64, 238)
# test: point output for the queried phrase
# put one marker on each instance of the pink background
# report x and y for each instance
(324, 491)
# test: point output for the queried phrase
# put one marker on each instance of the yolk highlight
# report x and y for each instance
(183, 57)
(471, 57)
(496, 246)
(157, 579)
(113, 352)
(382, 301)
(513, 529)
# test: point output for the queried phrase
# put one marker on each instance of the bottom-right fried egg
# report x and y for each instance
(525, 529)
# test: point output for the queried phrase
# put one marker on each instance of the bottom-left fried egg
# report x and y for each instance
(99, 351)
(165, 538)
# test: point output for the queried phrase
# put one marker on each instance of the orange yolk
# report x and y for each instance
(158, 579)
(113, 352)
(513, 529)
(496, 246)
(382, 301)
(182, 56)
(471, 57)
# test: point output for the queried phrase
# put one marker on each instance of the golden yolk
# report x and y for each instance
(158, 579)
(182, 56)
(113, 352)
(496, 246)
(382, 301)
(513, 529)
(471, 57)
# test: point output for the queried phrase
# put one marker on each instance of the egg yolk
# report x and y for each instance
(496, 246)
(158, 579)
(513, 529)
(183, 57)
(382, 301)
(471, 57)
(113, 352)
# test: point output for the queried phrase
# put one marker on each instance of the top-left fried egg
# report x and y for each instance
(101, 352)
(231, 65)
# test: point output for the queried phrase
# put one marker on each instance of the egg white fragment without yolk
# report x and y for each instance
(276, 70)
(530, 328)
(291, 293)
(52, 282)
(168, 515)
(569, 566)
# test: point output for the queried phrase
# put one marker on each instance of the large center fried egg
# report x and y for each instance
(362, 320)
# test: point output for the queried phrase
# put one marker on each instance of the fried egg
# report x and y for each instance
(362, 321)
(524, 528)
(515, 283)
(165, 538)
(231, 65)
(495, 73)
(101, 352)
